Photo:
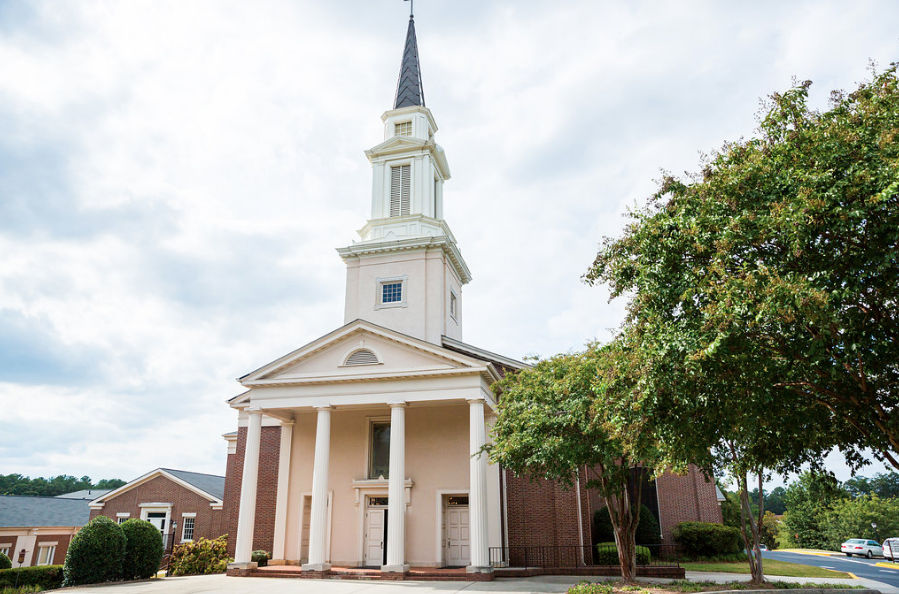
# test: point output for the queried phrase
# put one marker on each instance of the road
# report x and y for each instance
(863, 568)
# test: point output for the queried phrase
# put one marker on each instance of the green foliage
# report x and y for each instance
(852, 518)
(143, 549)
(706, 539)
(730, 509)
(647, 530)
(769, 530)
(5, 562)
(200, 557)
(883, 485)
(96, 553)
(607, 554)
(47, 577)
(807, 499)
(591, 588)
(261, 557)
(21, 590)
(16, 484)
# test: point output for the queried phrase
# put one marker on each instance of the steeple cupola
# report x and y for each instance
(407, 272)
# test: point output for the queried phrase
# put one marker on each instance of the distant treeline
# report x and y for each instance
(16, 484)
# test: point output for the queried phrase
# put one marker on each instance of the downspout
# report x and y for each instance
(580, 519)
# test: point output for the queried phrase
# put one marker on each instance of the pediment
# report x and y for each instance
(397, 143)
(362, 350)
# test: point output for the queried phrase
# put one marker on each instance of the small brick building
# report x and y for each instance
(183, 505)
(42, 527)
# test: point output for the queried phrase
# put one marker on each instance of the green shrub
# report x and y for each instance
(260, 557)
(200, 556)
(607, 554)
(48, 577)
(707, 539)
(5, 562)
(647, 529)
(95, 554)
(143, 549)
(591, 588)
(21, 590)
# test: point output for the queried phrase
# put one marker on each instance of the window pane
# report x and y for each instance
(391, 292)
(380, 450)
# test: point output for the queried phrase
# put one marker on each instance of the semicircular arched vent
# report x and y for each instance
(362, 357)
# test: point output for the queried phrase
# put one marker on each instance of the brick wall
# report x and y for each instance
(688, 498)
(208, 523)
(266, 490)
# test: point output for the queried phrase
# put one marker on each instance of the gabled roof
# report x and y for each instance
(210, 486)
(17, 511)
(86, 494)
(409, 89)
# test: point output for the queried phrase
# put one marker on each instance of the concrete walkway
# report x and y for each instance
(537, 585)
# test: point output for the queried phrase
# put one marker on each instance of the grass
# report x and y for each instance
(687, 586)
(770, 567)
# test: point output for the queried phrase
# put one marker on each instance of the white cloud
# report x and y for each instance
(178, 175)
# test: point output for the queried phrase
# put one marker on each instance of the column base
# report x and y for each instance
(476, 569)
(317, 567)
(244, 565)
(394, 568)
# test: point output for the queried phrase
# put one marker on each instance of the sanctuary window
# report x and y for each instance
(379, 450)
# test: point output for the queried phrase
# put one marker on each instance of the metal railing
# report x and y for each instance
(571, 556)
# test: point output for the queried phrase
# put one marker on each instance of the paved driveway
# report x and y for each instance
(538, 585)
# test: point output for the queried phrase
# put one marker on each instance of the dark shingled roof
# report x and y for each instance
(27, 512)
(89, 494)
(409, 90)
(211, 483)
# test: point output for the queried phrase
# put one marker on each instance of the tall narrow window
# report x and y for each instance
(399, 190)
(453, 304)
(379, 456)
(45, 554)
(187, 532)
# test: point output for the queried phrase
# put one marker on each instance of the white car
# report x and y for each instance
(862, 548)
(891, 549)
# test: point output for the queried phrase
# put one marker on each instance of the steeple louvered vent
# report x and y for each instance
(362, 357)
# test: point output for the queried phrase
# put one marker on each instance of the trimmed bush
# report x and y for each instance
(200, 556)
(260, 557)
(95, 554)
(143, 549)
(46, 577)
(647, 529)
(607, 554)
(591, 588)
(707, 539)
(5, 562)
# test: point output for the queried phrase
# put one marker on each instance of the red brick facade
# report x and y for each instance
(688, 498)
(266, 490)
(209, 523)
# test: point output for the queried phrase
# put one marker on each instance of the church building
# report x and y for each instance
(361, 448)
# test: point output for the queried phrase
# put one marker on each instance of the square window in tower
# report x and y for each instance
(391, 292)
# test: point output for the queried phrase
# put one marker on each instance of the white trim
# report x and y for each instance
(389, 280)
(441, 493)
(189, 515)
(193, 527)
(50, 554)
(123, 515)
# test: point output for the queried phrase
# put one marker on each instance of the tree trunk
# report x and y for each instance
(750, 528)
(625, 515)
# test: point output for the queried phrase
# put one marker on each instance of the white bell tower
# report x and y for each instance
(406, 273)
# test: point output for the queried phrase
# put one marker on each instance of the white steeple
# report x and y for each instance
(407, 273)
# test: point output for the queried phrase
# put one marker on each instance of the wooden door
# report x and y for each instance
(375, 529)
(458, 543)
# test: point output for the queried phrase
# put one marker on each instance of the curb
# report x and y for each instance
(888, 565)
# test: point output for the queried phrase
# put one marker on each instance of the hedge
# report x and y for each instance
(261, 557)
(607, 554)
(95, 554)
(706, 539)
(48, 577)
(143, 549)
(200, 556)
(5, 562)
(648, 532)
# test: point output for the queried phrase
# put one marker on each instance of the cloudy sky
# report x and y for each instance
(175, 176)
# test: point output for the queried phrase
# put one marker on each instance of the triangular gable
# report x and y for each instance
(98, 503)
(397, 143)
(326, 356)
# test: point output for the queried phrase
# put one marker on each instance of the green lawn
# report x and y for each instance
(770, 567)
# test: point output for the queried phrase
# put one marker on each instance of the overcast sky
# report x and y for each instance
(175, 176)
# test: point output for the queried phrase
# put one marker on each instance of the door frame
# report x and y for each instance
(384, 550)
(441, 494)
(303, 497)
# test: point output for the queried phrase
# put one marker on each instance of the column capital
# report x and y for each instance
(287, 423)
(398, 404)
(478, 400)
(324, 407)
(255, 410)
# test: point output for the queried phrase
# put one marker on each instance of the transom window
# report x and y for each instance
(379, 454)
(187, 532)
(456, 500)
(403, 128)
(45, 554)
(392, 292)
(399, 190)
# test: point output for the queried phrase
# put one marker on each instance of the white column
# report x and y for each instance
(396, 490)
(480, 554)
(247, 515)
(283, 486)
(319, 515)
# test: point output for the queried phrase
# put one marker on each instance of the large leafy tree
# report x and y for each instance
(551, 425)
(781, 260)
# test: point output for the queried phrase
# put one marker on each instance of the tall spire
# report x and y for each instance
(409, 90)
